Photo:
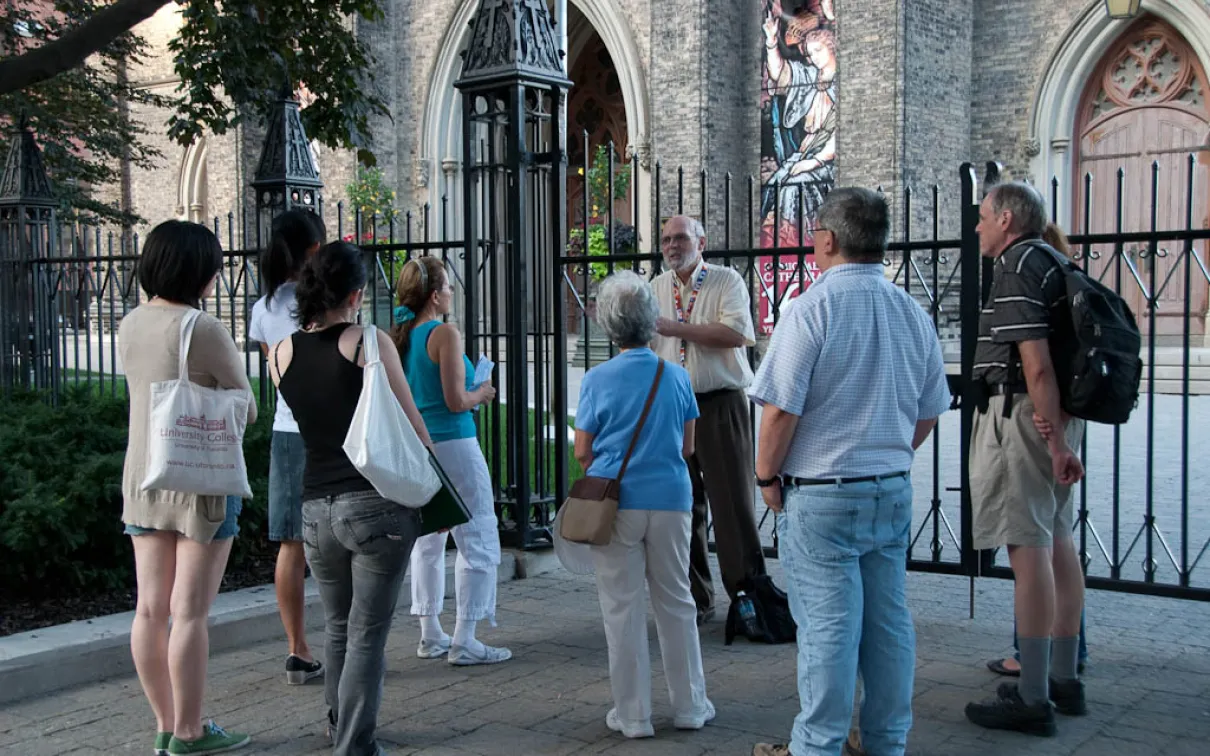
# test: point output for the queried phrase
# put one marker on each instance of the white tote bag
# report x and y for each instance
(381, 442)
(195, 442)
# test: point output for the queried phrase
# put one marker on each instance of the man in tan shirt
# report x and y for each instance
(705, 324)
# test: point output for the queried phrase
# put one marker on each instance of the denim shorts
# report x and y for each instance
(228, 529)
(287, 459)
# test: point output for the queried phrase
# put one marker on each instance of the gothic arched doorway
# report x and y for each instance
(595, 106)
(1145, 103)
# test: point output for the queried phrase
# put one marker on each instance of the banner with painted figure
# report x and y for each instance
(798, 138)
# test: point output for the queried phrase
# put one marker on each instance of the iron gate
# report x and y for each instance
(1133, 506)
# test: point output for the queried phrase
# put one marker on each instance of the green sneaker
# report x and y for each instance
(214, 740)
(162, 739)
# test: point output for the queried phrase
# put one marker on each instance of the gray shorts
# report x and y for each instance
(1015, 499)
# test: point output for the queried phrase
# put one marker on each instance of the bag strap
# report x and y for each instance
(188, 321)
(369, 344)
(634, 440)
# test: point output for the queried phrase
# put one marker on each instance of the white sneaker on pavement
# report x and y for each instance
(461, 656)
(629, 730)
(433, 649)
(695, 721)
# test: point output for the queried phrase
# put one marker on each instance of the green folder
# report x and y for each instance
(446, 509)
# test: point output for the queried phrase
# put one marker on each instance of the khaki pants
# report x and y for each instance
(723, 474)
(650, 549)
(1015, 499)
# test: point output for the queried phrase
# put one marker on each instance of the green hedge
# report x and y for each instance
(61, 495)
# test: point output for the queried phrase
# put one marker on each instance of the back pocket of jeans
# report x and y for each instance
(371, 528)
(310, 533)
(830, 534)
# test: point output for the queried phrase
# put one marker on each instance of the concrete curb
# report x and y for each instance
(87, 651)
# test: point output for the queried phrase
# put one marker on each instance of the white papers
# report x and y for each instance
(483, 371)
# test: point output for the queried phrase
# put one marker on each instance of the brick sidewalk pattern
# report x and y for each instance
(1148, 686)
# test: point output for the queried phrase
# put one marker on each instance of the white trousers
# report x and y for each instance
(478, 541)
(651, 549)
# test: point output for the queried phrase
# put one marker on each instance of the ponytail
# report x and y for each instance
(327, 280)
(294, 233)
(418, 279)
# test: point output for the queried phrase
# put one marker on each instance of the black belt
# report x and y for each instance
(790, 480)
(708, 395)
(1005, 389)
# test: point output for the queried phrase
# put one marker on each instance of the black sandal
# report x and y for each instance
(997, 666)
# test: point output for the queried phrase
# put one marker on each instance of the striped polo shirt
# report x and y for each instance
(1027, 288)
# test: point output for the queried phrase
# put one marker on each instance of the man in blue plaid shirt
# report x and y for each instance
(852, 384)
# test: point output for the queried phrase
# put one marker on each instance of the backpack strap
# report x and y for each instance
(1014, 354)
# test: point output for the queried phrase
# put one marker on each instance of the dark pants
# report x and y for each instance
(722, 473)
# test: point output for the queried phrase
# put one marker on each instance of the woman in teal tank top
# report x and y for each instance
(440, 377)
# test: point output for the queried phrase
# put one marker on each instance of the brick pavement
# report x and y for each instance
(1148, 682)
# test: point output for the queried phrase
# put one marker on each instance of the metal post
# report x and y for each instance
(969, 305)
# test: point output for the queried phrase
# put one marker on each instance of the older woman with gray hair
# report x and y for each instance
(650, 543)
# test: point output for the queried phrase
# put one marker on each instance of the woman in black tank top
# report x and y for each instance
(357, 543)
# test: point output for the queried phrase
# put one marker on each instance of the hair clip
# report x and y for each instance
(404, 314)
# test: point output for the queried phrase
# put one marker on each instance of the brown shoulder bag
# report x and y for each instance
(592, 503)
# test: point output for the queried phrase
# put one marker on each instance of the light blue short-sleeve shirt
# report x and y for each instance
(612, 396)
(858, 360)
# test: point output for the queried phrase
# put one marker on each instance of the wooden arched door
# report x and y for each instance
(1146, 104)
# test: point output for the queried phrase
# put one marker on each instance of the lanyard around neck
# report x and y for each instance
(683, 313)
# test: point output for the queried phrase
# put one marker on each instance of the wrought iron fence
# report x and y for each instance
(1137, 528)
(1134, 502)
(924, 264)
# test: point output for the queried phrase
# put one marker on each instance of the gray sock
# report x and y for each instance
(1035, 669)
(1065, 658)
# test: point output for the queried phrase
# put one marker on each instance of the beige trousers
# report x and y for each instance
(650, 549)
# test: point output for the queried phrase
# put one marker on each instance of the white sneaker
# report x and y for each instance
(460, 656)
(631, 731)
(695, 721)
(433, 649)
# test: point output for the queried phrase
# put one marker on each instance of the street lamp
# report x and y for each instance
(1122, 8)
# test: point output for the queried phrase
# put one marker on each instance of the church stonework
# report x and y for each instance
(919, 87)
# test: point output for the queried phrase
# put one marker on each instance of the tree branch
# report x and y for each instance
(71, 50)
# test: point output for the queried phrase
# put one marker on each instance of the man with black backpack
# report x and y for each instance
(1021, 481)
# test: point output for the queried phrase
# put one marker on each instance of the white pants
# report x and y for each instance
(650, 548)
(478, 541)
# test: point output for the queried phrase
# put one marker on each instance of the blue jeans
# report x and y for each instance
(844, 549)
(1083, 641)
(229, 528)
(287, 460)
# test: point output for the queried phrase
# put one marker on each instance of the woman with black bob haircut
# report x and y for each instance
(297, 235)
(181, 540)
(179, 261)
(357, 543)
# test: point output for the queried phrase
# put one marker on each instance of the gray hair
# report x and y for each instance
(627, 310)
(860, 220)
(1024, 202)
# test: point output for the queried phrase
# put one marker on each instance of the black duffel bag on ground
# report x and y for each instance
(760, 613)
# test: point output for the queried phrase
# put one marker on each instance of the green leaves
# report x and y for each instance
(239, 57)
(61, 494)
(235, 60)
(81, 117)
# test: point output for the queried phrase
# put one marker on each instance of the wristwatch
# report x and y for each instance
(766, 482)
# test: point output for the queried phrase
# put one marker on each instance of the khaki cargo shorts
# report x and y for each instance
(1015, 499)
